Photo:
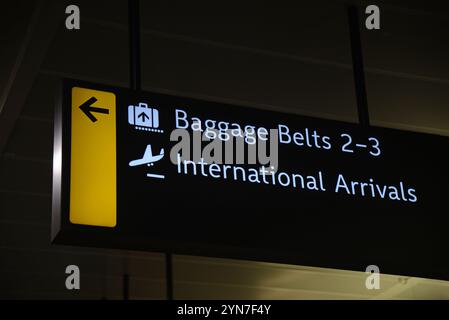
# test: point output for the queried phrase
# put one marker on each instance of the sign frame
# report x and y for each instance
(64, 232)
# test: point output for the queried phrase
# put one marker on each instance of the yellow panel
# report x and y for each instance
(93, 187)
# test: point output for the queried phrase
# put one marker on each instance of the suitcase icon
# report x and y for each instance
(143, 116)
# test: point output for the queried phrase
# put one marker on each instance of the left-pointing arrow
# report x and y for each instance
(87, 108)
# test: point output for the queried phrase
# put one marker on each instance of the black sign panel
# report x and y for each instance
(338, 196)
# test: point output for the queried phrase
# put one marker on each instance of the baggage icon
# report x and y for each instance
(143, 117)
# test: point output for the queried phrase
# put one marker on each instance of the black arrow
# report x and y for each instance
(87, 108)
(143, 115)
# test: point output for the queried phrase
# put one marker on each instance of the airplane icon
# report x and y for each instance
(148, 158)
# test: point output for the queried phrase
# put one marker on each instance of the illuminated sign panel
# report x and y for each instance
(93, 182)
(149, 171)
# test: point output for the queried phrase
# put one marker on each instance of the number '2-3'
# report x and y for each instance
(347, 147)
